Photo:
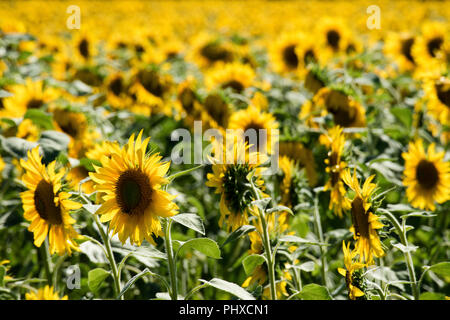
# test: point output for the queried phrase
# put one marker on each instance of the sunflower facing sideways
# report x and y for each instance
(231, 166)
(427, 176)
(365, 222)
(131, 183)
(350, 267)
(46, 206)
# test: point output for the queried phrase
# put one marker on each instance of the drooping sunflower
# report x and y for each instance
(257, 123)
(46, 206)
(46, 293)
(232, 163)
(346, 111)
(235, 75)
(302, 156)
(365, 222)
(334, 140)
(354, 291)
(131, 183)
(426, 176)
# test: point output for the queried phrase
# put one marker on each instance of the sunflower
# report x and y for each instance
(302, 156)
(283, 53)
(116, 91)
(46, 293)
(84, 46)
(426, 176)
(131, 183)
(188, 104)
(334, 34)
(251, 119)
(216, 111)
(30, 95)
(27, 130)
(207, 50)
(398, 46)
(46, 206)
(427, 49)
(236, 76)
(365, 222)
(437, 94)
(334, 140)
(346, 111)
(354, 291)
(232, 163)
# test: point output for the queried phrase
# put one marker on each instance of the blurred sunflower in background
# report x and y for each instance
(426, 176)
(46, 293)
(131, 183)
(46, 206)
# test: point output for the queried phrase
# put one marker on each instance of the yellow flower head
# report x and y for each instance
(46, 293)
(350, 267)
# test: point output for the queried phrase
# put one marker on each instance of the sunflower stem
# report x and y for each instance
(171, 260)
(110, 256)
(408, 259)
(318, 227)
(45, 255)
(267, 249)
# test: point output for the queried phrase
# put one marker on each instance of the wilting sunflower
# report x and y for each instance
(254, 118)
(46, 206)
(350, 267)
(46, 293)
(232, 163)
(365, 222)
(30, 95)
(427, 176)
(346, 111)
(334, 140)
(131, 183)
(236, 76)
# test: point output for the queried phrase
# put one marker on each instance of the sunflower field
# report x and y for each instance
(115, 182)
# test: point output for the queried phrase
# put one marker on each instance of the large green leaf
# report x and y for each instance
(229, 287)
(205, 245)
(442, 269)
(314, 292)
(251, 262)
(191, 221)
(96, 277)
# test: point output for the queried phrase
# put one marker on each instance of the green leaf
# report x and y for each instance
(279, 208)
(432, 296)
(52, 143)
(96, 277)
(251, 262)
(442, 269)
(404, 249)
(306, 266)
(191, 221)
(40, 118)
(17, 147)
(403, 114)
(88, 164)
(133, 280)
(314, 292)
(262, 203)
(204, 245)
(289, 238)
(240, 232)
(229, 287)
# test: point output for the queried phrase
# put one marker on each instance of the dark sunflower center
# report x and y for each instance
(443, 93)
(2, 106)
(133, 192)
(217, 108)
(350, 48)
(88, 77)
(290, 57)
(187, 98)
(116, 86)
(259, 140)
(434, 45)
(313, 83)
(70, 128)
(233, 84)
(35, 103)
(151, 81)
(427, 174)
(338, 105)
(309, 56)
(215, 52)
(45, 204)
(334, 173)
(406, 49)
(333, 38)
(83, 47)
(235, 184)
(359, 218)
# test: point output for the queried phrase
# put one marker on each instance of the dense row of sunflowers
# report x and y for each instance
(92, 207)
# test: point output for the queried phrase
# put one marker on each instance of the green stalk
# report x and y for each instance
(110, 256)
(171, 260)
(408, 258)
(319, 232)
(46, 259)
